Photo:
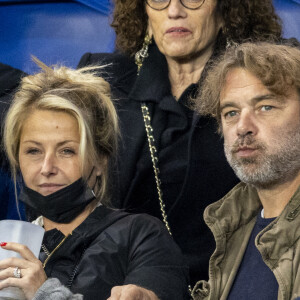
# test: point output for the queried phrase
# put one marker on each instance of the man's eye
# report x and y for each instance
(230, 114)
(266, 107)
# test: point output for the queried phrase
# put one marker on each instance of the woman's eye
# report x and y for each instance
(67, 151)
(33, 151)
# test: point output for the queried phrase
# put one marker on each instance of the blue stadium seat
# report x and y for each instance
(61, 31)
(289, 12)
(53, 31)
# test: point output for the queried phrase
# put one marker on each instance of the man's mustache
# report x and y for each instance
(247, 141)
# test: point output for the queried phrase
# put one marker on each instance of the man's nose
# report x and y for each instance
(246, 124)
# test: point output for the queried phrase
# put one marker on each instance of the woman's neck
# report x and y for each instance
(69, 227)
(182, 73)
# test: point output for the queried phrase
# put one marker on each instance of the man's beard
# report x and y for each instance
(266, 169)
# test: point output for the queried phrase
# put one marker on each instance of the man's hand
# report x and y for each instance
(131, 292)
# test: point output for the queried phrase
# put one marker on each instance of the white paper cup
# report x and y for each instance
(23, 233)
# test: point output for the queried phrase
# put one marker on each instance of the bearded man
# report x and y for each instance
(254, 92)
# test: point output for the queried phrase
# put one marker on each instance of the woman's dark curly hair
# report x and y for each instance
(244, 20)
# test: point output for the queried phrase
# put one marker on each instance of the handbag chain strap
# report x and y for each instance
(154, 158)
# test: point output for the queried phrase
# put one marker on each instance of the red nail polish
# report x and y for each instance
(3, 244)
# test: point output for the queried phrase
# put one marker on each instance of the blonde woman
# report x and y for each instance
(60, 133)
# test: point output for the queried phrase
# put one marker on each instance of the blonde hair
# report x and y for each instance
(276, 66)
(80, 93)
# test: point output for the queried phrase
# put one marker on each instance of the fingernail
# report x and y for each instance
(3, 244)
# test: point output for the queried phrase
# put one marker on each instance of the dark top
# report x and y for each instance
(115, 248)
(254, 279)
(9, 81)
(194, 171)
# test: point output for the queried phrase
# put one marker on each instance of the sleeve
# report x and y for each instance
(52, 289)
(155, 261)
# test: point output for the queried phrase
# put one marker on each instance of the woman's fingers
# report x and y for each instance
(30, 280)
(13, 272)
(26, 273)
(14, 262)
(10, 282)
(23, 250)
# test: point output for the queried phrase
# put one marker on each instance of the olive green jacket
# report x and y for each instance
(231, 220)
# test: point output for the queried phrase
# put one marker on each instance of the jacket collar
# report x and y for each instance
(240, 206)
(100, 219)
(281, 234)
(235, 209)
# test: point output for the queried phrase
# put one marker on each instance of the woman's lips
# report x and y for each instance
(178, 31)
(49, 188)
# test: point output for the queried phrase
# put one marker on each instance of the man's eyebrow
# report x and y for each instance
(227, 104)
(254, 100)
(257, 99)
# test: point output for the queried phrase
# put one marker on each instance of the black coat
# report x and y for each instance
(204, 175)
(113, 248)
(9, 81)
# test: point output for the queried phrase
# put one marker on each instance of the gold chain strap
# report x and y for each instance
(154, 157)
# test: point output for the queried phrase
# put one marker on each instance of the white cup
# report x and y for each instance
(23, 233)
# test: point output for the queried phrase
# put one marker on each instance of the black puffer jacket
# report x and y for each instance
(116, 248)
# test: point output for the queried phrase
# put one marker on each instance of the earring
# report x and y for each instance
(143, 53)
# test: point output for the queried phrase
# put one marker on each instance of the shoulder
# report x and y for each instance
(115, 64)
(124, 226)
(132, 223)
(9, 78)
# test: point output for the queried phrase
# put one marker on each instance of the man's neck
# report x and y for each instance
(274, 199)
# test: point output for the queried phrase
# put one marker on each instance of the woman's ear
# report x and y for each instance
(98, 170)
(149, 30)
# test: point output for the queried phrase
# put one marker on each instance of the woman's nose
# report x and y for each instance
(49, 165)
(246, 124)
(176, 9)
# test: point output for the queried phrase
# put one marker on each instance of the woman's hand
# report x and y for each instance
(131, 292)
(32, 274)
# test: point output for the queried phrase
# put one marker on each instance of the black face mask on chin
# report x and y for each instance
(62, 206)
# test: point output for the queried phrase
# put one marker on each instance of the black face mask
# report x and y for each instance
(62, 206)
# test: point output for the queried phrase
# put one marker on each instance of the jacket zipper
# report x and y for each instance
(61, 242)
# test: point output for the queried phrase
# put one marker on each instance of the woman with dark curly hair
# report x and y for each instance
(171, 162)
